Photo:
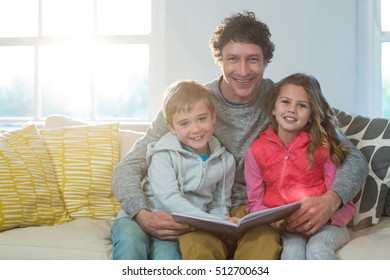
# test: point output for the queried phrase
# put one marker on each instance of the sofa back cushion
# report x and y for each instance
(372, 138)
(29, 194)
(127, 139)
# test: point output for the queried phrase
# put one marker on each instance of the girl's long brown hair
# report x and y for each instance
(322, 128)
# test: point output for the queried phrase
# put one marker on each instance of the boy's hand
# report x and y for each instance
(233, 219)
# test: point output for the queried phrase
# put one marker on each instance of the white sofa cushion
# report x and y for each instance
(370, 243)
(81, 239)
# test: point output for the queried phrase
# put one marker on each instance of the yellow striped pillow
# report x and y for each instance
(84, 158)
(29, 194)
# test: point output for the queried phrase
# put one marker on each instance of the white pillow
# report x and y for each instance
(127, 139)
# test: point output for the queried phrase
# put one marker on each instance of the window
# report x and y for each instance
(88, 59)
(385, 57)
(373, 57)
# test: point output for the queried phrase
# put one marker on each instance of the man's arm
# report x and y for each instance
(316, 211)
(351, 175)
(131, 170)
(127, 186)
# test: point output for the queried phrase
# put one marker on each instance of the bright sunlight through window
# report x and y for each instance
(82, 58)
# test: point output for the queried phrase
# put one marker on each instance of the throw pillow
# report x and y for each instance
(84, 157)
(56, 121)
(127, 138)
(29, 194)
(372, 138)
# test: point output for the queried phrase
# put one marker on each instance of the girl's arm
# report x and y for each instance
(351, 174)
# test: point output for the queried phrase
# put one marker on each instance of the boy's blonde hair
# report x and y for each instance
(182, 96)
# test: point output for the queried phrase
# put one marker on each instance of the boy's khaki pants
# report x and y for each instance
(258, 243)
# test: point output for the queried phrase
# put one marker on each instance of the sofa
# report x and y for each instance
(56, 200)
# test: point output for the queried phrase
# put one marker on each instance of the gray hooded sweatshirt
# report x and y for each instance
(180, 181)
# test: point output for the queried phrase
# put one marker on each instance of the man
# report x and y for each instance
(242, 49)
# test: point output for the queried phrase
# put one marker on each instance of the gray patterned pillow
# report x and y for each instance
(372, 138)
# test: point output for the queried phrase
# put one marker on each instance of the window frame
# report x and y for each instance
(384, 37)
(155, 40)
(369, 48)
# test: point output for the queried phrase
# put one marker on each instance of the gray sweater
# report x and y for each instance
(236, 127)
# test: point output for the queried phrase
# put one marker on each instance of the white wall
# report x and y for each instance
(312, 36)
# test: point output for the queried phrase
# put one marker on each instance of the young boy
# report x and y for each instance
(188, 169)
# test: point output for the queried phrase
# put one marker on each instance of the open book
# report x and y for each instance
(216, 226)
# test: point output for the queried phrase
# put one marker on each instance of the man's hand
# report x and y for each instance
(313, 213)
(161, 225)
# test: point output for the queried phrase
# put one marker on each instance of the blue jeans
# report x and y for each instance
(321, 246)
(130, 242)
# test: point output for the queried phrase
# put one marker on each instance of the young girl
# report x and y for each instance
(296, 157)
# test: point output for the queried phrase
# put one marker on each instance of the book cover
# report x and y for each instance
(216, 226)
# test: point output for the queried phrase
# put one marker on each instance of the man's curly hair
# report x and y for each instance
(242, 27)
